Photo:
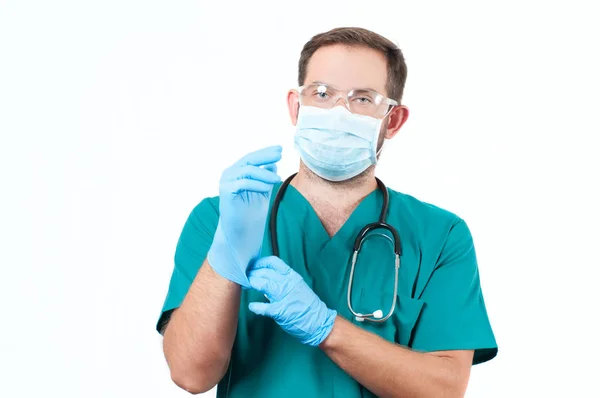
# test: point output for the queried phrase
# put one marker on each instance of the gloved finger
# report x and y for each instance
(266, 309)
(237, 186)
(254, 173)
(271, 275)
(261, 157)
(266, 286)
(271, 167)
(274, 263)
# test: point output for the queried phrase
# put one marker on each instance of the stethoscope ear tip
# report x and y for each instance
(378, 314)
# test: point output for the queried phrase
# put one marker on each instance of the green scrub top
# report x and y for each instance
(439, 304)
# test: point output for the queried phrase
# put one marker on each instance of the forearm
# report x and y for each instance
(199, 337)
(389, 370)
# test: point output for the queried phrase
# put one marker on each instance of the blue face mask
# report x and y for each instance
(336, 144)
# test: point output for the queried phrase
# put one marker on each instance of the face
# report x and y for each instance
(349, 68)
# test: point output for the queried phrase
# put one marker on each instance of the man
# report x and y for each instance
(285, 326)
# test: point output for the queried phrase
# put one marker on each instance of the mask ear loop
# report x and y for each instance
(378, 153)
(385, 141)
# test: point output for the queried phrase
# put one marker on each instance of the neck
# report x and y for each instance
(343, 194)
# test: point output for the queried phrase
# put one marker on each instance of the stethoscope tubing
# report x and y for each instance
(360, 238)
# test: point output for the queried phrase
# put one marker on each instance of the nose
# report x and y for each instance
(344, 102)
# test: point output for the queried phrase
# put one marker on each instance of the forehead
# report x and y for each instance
(348, 67)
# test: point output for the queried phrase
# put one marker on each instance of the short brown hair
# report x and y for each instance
(396, 67)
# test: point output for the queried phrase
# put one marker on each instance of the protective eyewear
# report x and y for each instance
(358, 101)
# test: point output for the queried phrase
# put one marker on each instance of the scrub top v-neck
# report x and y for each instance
(439, 303)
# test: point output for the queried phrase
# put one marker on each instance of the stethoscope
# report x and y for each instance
(375, 316)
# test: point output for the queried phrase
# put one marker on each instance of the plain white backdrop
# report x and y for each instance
(117, 118)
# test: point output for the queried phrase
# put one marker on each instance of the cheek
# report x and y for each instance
(383, 129)
(382, 132)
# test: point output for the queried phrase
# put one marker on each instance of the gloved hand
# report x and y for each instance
(244, 195)
(293, 304)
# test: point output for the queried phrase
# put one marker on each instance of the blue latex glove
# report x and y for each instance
(244, 195)
(293, 304)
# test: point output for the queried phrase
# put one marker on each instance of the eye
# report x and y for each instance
(321, 93)
(364, 100)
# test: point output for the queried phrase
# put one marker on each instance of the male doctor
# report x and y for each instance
(267, 326)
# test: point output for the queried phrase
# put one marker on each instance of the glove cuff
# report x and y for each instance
(222, 259)
(324, 330)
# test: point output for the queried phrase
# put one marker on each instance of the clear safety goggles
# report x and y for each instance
(358, 101)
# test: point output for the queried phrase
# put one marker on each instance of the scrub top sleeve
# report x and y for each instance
(193, 244)
(454, 316)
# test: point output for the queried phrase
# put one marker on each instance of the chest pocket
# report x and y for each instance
(405, 317)
(399, 327)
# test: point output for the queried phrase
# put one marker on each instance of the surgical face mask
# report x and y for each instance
(336, 144)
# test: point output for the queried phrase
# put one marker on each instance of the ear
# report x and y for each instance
(293, 102)
(397, 118)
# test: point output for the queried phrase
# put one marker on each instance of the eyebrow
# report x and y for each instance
(357, 89)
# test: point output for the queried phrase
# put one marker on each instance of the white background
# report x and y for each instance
(117, 118)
